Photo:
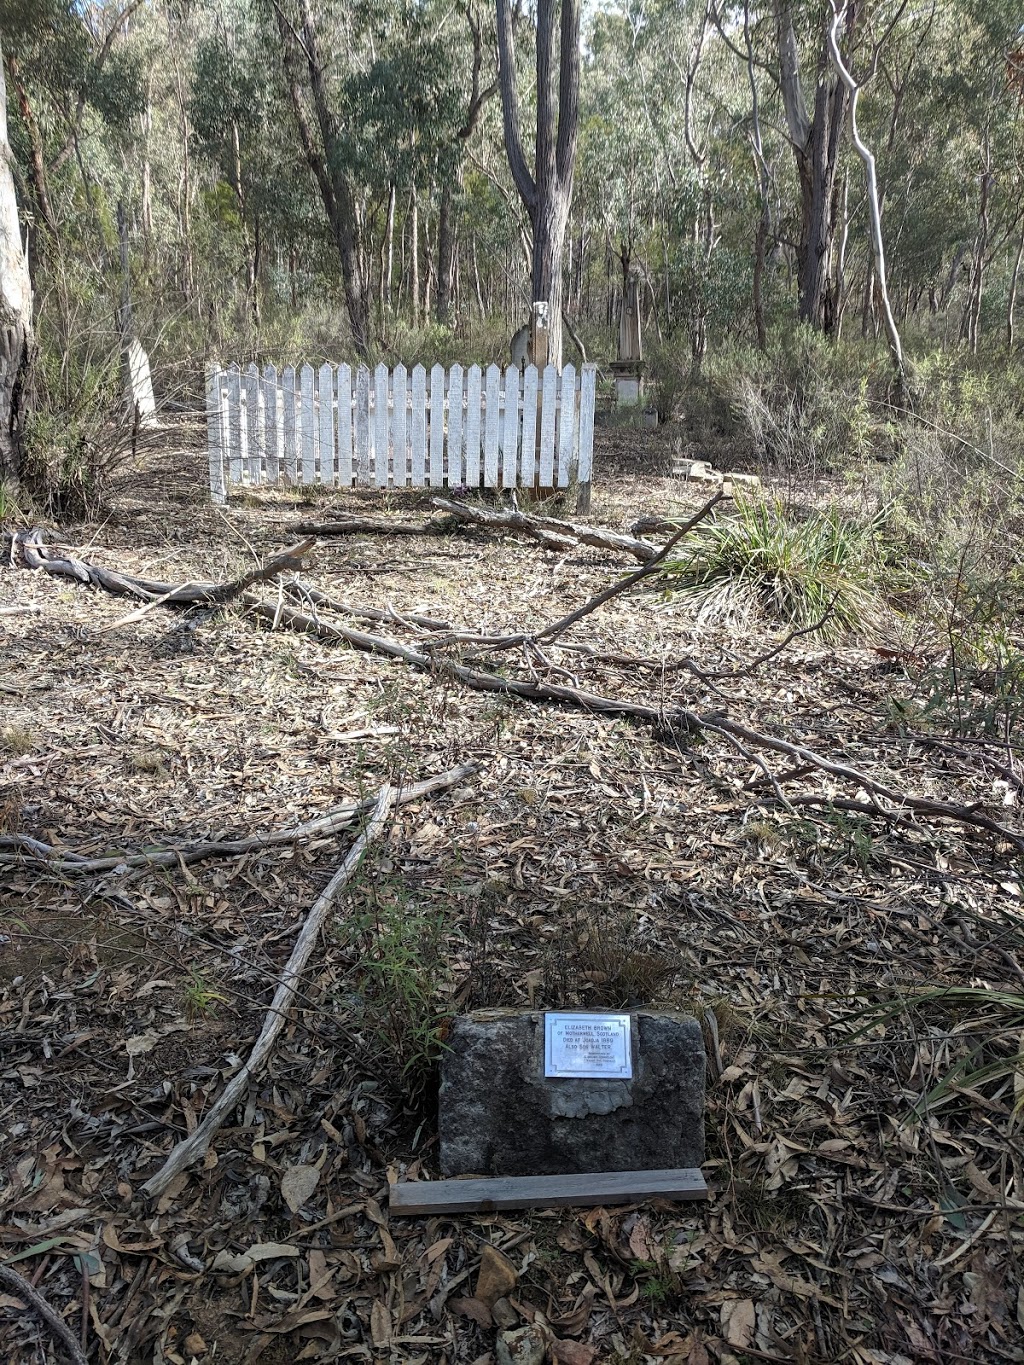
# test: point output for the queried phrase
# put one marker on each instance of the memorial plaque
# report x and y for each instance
(588, 1046)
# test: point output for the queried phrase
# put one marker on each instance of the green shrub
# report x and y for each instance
(761, 562)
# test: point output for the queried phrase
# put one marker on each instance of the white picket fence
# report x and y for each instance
(392, 429)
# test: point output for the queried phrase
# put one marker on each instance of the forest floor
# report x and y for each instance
(855, 1214)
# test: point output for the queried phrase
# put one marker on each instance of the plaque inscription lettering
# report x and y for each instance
(588, 1046)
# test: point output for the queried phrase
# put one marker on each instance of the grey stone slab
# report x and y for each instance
(500, 1116)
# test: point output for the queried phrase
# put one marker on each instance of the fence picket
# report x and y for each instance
(455, 421)
(236, 436)
(289, 424)
(325, 401)
(419, 425)
(308, 401)
(399, 428)
(380, 425)
(218, 488)
(253, 424)
(473, 381)
(344, 466)
(363, 479)
(491, 428)
(547, 427)
(437, 427)
(567, 427)
(528, 460)
(271, 419)
(588, 398)
(510, 434)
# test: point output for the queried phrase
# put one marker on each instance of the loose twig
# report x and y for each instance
(20, 1286)
(195, 1146)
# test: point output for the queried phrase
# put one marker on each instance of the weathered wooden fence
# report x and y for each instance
(395, 429)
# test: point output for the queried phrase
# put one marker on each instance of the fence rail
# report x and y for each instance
(394, 428)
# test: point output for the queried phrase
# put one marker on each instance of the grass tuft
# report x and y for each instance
(763, 563)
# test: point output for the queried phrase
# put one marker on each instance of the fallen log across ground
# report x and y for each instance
(674, 720)
(550, 531)
(195, 1146)
(20, 846)
(383, 526)
(30, 549)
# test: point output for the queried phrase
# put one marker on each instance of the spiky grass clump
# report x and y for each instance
(762, 562)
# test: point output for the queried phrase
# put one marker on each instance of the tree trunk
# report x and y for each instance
(324, 160)
(874, 208)
(389, 269)
(816, 144)
(16, 338)
(1011, 302)
(445, 256)
(547, 192)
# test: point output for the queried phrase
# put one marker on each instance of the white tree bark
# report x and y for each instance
(15, 306)
(874, 206)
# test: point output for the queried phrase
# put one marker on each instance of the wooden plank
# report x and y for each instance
(381, 426)
(343, 468)
(363, 476)
(437, 427)
(491, 428)
(426, 1197)
(289, 425)
(325, 397)
(588, 399)
(255, 448)
(473, 413)
(547, 427)
(400, 427)
(272, 424)
(307, 404)
(528, 459)
(236, 431)
(567, 427)
(454, 468)
(214, 451)
(510, 429)
(419, 426)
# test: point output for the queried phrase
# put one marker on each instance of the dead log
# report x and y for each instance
(676, 720)
(176, 855)
(550, 531)
(194, 1147)
(30, 548)
(382, 526)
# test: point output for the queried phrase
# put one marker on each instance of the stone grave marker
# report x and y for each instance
(525, 1093)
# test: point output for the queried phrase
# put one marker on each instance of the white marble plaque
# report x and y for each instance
(588, 1046)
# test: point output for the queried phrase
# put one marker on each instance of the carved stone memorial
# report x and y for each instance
(527, 1093)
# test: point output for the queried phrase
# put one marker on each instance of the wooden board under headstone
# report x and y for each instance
(502, 1115)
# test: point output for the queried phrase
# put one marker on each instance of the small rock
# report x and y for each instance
(195, 1345)
(525, 1346)
(497, 1276)
(503, 1313)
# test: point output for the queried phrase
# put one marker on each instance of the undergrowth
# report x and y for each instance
(763, 562)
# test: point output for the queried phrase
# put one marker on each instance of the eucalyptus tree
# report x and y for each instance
(546, 191)
(16, 340)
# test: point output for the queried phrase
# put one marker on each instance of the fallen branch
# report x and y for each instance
(349, 526)
(35, 554)
(681, 717)
(20, 1286)
(194, 1147)
(550, 531)
(177, 855)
